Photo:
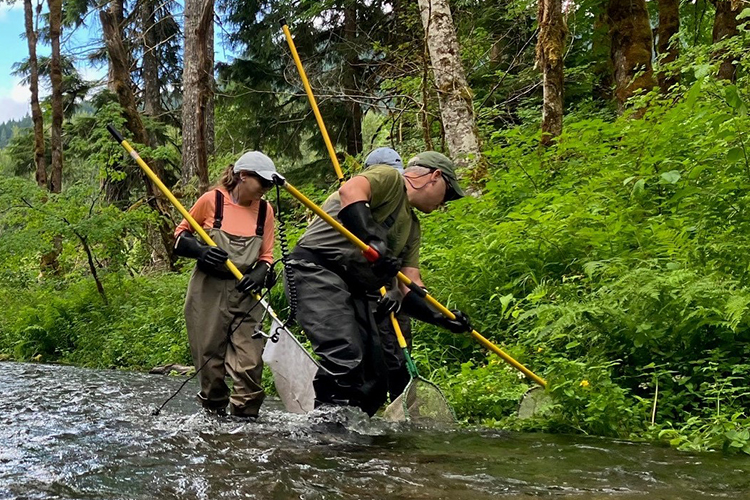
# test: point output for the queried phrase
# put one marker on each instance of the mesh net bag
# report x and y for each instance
(421, 401)
(535, 402)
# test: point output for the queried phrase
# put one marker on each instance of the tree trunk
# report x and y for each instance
(631, 40)
(211, 81)
(549, 56)
(118, 62)
(151, 87)
(725, 26)
(121, 84)
(55, 31)
(152, 106)
(600, 53)
(117, 11)
(425, 113)
(36, 109)
(196, 91)
(669, 26)
(454, 95)
(353, 108)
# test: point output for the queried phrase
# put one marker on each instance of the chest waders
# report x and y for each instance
(336, 314)
(221, 324)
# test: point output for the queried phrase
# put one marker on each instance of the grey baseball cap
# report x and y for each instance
(433, 159)
(258, 163)
(385, 156)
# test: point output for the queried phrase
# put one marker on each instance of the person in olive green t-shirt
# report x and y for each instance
(335, 285)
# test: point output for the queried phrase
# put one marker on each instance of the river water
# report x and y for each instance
(71, 433)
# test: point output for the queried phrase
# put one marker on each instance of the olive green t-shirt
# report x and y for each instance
(389, 205)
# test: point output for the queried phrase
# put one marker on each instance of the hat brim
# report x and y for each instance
(454, 191)
(269, 176)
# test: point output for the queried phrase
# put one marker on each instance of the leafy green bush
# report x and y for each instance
(617, 257)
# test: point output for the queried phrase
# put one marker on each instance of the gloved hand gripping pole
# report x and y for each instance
(372, 255)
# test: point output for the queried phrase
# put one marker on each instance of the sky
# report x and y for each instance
(14, 98)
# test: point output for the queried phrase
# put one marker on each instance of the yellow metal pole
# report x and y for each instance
(164, 189)
(370, 253)
(313, 103)
(396, 326)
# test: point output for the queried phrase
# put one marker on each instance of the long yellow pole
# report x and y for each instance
(164, 189)
(329, 146)
(371, 255)
(313, 103)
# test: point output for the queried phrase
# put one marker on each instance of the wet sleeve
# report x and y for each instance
(200, 211)
(266, 248)
(411, 250)
(385, 183)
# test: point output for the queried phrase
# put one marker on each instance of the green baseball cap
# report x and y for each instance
(435, 160)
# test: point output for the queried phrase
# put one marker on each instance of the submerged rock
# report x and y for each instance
(171, 368)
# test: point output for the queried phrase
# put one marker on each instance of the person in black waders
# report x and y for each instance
(393, 355)
(220, 313)
(335, 285)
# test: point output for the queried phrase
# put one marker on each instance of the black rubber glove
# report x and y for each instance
(418, 308)
(210, 259)
(271, 278)
(386, 265)
(357, 218)
(459, 325)
(387, 304)
(254, 280)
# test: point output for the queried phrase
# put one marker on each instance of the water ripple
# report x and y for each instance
(71, 433)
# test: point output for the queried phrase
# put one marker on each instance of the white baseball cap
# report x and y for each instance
(258, 163)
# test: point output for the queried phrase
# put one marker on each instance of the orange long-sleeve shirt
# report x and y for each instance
(237, 220)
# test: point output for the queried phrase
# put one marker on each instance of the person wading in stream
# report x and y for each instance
(220, 313)
(335, 285)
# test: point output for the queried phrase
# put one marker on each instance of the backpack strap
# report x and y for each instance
(218, 210)
(262, 210)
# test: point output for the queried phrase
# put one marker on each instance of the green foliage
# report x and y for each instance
(143, 326)
(11, 128)
(621, 248)
(730, 433)
(482, 393)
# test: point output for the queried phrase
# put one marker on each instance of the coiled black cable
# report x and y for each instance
(288, 271)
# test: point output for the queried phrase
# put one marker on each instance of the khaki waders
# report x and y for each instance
(219, 336)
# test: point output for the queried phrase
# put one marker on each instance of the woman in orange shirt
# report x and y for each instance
(221, 314)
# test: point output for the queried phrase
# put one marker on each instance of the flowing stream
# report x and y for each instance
(72, 433)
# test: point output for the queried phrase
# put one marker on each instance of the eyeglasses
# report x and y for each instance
(448, 189)
(446, 196)
(264, 183)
